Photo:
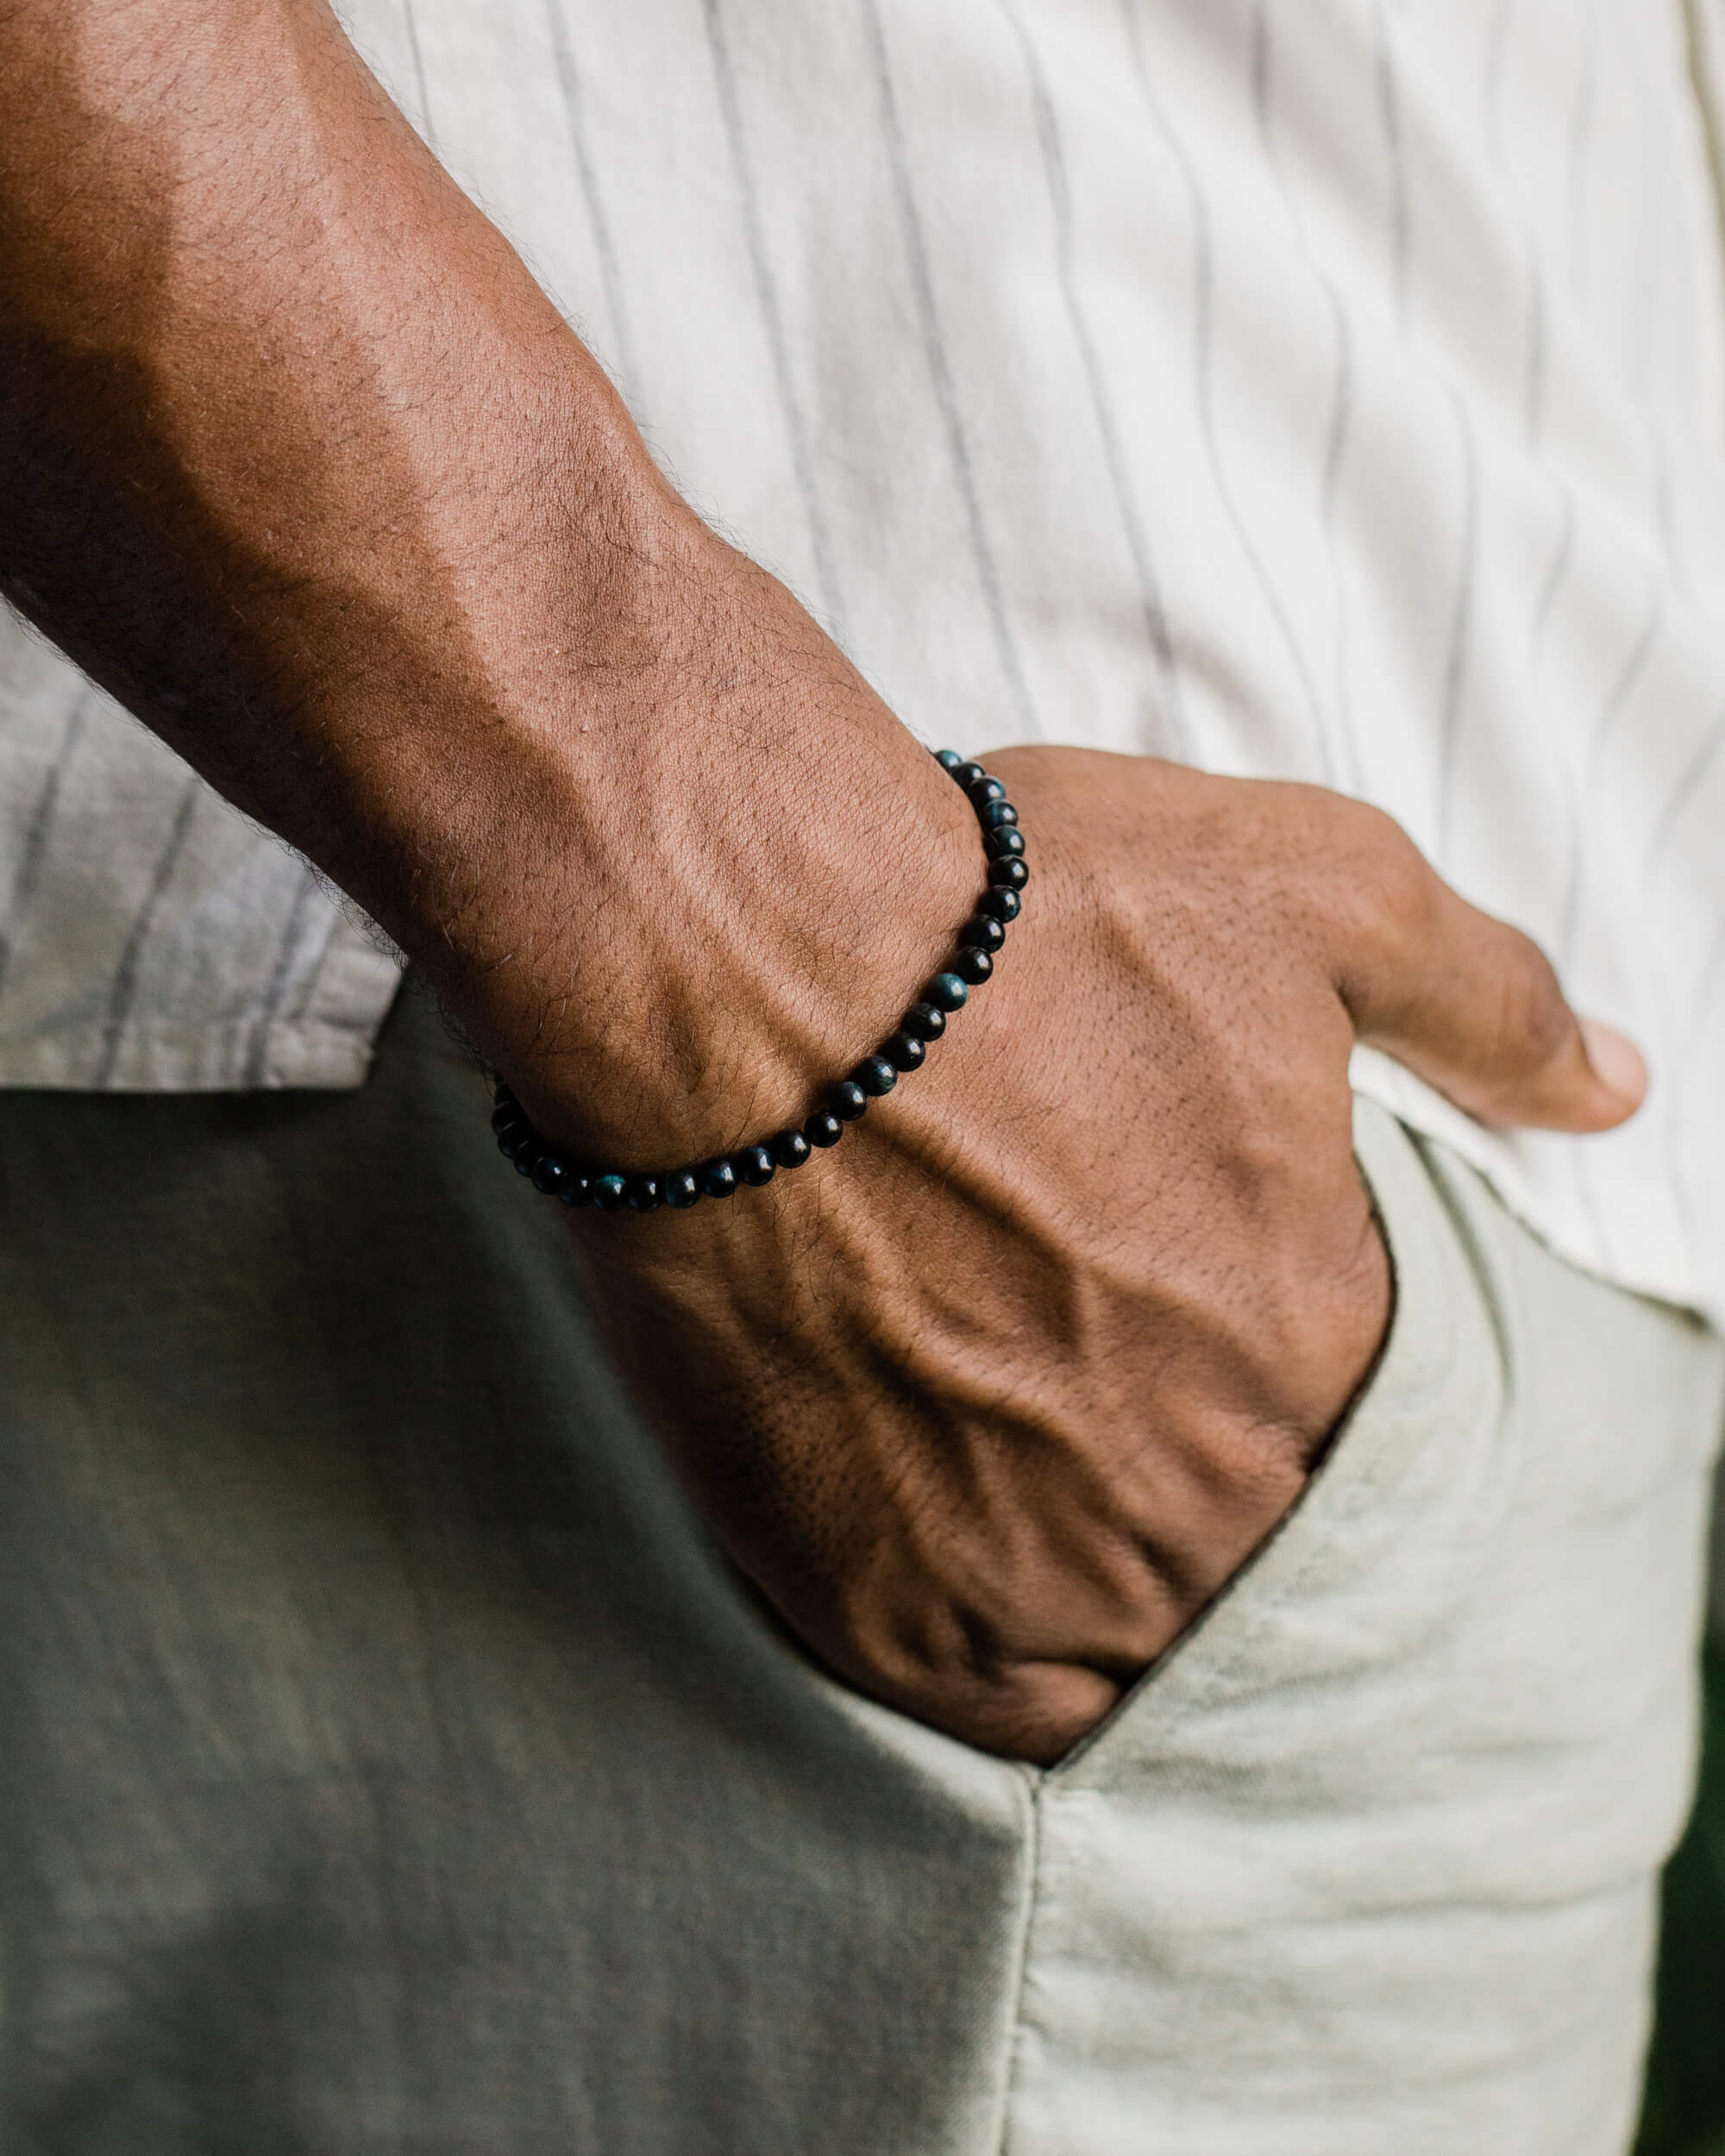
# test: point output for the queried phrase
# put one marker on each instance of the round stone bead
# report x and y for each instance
(1007, 840)
(998, 813)
(643, 1192)
(1010, 874)
(577, 1190)
(985, 790)
(983, 932)
(718, 1179)
(527, 1156)
(505, 1115)
(904, 1051)
(948, 759)
(974, 966)
(790, 1149)
(754, 1164)
(946, 991)
(967, 773)
(509, 1141)
(1000, 906)
(823, 1128)
(550, 1176)
(923, 1023)
(680, 1189)
(847, 1101)
(609, 1193)
(876, 1075)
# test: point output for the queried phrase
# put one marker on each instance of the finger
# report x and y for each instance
(1469, 1003)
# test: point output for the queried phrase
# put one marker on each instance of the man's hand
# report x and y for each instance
(992, 1400)
(298, 461)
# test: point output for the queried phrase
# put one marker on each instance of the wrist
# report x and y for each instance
(699, 874)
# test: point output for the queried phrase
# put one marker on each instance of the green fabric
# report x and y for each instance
(1686, 2100)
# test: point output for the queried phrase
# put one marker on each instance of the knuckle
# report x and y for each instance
(1532, 1020)
(1368, 875)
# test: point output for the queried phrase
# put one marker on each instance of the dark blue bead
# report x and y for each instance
(997, 813)
(847, 1101)
(984, 791)
(1000, 906)
(609, 1193)
(550, 1175)
(948, 759)
(823, 1128)
(643, 1192)
(718, 1179)
(577, 1190)
(790, 1149)
(754, 1165)
(923, 1022)
(946, 991)
(974, 966)
(680, 1189)
(506, 1143)
(876, 1075)
(967, 773)
(1007, 840)
(983, 932)
(527, 1156)
(1008, 876)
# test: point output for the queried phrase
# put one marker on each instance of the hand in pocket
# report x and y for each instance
(991, 1401)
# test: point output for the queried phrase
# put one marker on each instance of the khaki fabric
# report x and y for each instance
(389, 1763)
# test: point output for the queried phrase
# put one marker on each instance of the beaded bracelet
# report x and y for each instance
(900, 1053)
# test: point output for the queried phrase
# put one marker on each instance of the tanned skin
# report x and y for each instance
(297, 459)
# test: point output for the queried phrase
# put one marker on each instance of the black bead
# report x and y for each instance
(505, 1115)
(755, 1165)
(923, 1022)
(643, 1192)
(823, 1128)
(577, 1190)
(904, 1051)
(1007, 840)
(967, 773)
(508, 1141)
(550, 1175)
(983, 932)
(718, 1179)
(946, 991)
(608, 1193)
(527, 1156)
(948, 759)
(876, 1075)
(1008, 876)
(680, 1189)
(1000, 906)
(847, 1101)
(790, 1149)
(974, 966)
(997, 813)
(985, 790)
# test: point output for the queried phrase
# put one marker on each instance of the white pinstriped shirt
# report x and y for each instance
(1321, 388)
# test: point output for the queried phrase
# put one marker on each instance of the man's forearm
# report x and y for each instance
(300, 462)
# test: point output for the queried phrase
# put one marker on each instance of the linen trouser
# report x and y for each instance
(389, 1762)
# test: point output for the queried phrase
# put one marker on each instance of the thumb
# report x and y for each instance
(1473, 1006)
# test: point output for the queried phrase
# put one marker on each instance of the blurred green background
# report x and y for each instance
(1684, 2113)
